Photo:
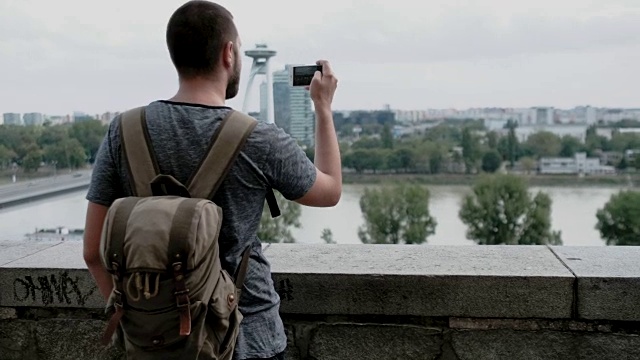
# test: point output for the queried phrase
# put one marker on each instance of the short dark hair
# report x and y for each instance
(196, 34)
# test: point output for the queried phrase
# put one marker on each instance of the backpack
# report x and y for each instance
(171, 298)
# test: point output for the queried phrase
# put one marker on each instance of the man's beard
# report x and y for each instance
(233, 86)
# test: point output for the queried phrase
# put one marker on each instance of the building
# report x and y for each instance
(33, 119)
(264, 102)
(12, 119)
(579, 164)
(281, 103)
(260, 66)
(292, 108)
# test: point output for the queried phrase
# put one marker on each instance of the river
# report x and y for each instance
(573, 213)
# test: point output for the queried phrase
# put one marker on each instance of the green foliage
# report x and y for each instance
(327, 236)
(397, 214)
(543, 144)
(619, 219)
(387, 137)
(569, 146)
(6, 156)
(470, 149)
(279, 229)
(501, 211)
(66, 153)
(491, 161)
(68, 145)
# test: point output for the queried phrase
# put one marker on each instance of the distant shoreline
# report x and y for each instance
(614, 181)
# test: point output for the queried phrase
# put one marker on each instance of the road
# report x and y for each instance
(20, 192)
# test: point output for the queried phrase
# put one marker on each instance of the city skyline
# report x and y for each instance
(54, 60)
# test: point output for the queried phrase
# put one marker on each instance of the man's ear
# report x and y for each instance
(228, 55)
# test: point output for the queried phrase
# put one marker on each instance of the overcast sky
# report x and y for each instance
(94, 56)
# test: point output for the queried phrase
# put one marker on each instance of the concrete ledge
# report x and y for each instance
(368, 302)
(499, 281)
(608, 281)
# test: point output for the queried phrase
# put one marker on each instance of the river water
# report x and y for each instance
(573, 213)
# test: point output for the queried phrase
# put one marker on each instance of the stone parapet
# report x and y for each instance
(369, 302)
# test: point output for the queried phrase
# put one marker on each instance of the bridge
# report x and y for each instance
(369, 302)
(26, 191)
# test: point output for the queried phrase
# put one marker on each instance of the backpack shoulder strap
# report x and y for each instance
(225, 146)
(138, 151)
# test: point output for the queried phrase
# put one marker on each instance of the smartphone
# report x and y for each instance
(302, 75)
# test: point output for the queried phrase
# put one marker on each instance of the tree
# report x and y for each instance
(491, 161)
(501, 211)
(400, 159)
(279, 229)
(470, 149)
(569, 146)
(543, 144)
(67, 153)
(327, 236)
(32, 159)
(6, 156)
(387, 137)
(396, 214)
(528, 164)
(492, 140)
(90, 134)
(619, 219)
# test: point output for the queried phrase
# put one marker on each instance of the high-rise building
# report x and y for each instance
(281, 102)
(12, 119)
(292, 108)
(33, 119)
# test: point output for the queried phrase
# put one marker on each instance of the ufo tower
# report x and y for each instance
(260, 55)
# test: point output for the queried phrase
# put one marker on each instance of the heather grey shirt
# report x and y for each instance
(180, 135)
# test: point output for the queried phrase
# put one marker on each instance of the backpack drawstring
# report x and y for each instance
(140, 287)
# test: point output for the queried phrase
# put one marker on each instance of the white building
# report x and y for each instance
(12, 119)
(294, 104)
(579, 164)
(33, 119)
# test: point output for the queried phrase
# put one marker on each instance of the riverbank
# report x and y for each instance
(468, 180)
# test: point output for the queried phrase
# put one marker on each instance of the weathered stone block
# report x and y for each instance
(510, 345)
(608, 280)
(370, 341)
(8, 313)
(16, 340)
(72, 339)
(496, 281)
(609, 347)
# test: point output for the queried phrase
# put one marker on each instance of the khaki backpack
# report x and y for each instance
(171, 298)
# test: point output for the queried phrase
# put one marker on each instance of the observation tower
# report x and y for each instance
(260, 55)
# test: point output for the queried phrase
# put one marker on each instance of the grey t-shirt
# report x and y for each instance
(180, 135)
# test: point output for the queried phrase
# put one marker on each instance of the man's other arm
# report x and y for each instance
(91, 251)
(327, 188)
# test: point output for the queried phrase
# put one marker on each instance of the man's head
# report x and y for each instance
(203, 43)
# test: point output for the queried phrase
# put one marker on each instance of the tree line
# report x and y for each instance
(63, 146)
(500, 210)
(466, 147)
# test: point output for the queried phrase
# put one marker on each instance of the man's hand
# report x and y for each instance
(323, 86)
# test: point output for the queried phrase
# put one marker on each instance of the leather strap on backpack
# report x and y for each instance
(115, 253)
(242, 270)
(178, 256)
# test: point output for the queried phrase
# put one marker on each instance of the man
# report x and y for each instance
(204, 46)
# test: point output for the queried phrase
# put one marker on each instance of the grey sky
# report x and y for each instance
(66, 55)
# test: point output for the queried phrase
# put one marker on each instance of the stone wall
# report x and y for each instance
(370, 302)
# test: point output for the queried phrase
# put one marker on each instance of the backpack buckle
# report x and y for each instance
(182, 298)
(117, 301)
